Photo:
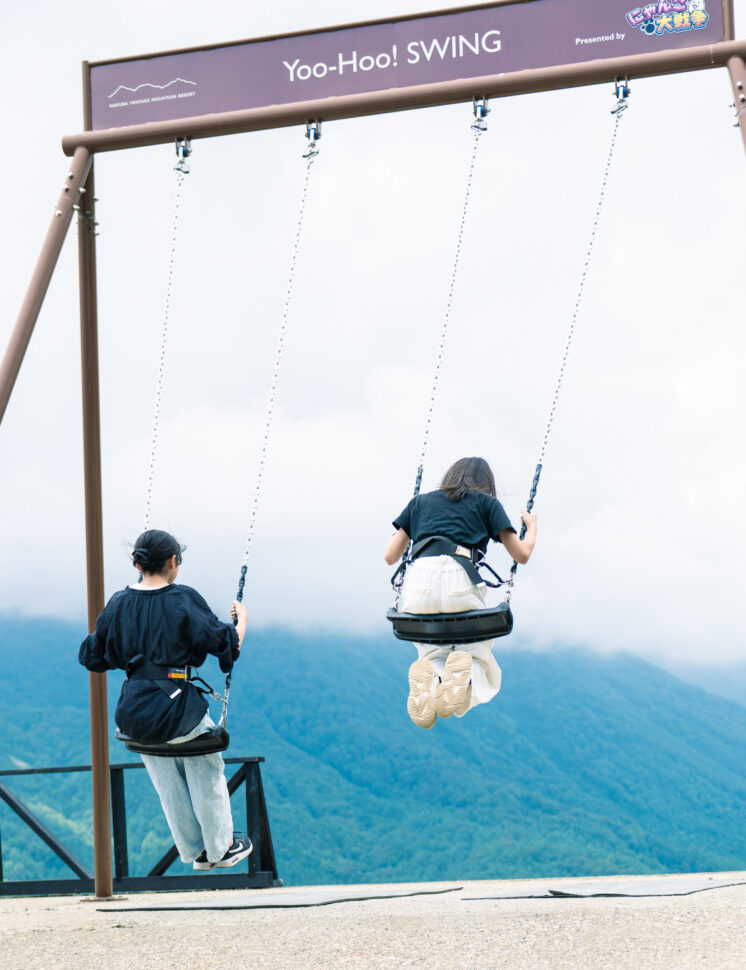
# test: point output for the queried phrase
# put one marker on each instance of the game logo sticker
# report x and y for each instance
(669, 16)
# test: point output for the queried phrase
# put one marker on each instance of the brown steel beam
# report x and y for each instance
(403, 99)
(729, 27)
(737, 71)
(37, 288)
(94, 530)
(94, 535)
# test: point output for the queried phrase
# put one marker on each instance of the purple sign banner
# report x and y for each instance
(488, 40)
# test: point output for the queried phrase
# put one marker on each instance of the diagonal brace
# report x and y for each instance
(37, 826)
(737, 72)
(63, 212)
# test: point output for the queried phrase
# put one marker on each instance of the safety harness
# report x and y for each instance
(140, 668)
(471, 560)
(214, 739)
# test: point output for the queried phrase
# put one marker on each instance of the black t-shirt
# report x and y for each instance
(173, 627)
(471, 521)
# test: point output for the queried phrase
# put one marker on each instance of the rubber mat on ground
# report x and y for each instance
(651, 886)
(281, 900)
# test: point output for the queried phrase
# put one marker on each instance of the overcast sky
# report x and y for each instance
(641, 507)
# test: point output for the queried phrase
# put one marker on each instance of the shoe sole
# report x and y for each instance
(454, 695)
(234, 860)
(203, 865)
(420, 703)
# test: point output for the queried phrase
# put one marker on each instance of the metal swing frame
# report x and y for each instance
(77, 197)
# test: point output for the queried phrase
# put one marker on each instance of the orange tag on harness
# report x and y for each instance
(177, 673)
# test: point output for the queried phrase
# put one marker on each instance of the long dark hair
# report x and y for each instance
(468, 475)
(154, 548)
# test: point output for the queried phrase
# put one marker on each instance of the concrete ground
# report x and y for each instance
(452, 930)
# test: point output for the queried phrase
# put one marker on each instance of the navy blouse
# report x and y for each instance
(173, 627)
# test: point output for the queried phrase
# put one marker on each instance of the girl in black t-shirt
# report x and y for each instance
(445, 680)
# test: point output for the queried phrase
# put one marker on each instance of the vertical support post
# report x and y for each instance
(94, 533)
(37, 288)
(729, 29)
(94, 530)
(737, 71)
(119, 824)
(253, 830)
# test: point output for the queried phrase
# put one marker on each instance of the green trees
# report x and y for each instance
(583, 764)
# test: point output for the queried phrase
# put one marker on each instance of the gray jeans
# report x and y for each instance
(194, 797)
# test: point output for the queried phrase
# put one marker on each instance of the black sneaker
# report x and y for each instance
(241, 848)
(201, 862)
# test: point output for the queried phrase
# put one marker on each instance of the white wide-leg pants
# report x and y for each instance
(438, 584)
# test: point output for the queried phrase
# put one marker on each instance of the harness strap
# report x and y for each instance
(139, 668)
(443, 546)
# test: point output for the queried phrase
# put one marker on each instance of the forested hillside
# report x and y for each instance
(582, 765)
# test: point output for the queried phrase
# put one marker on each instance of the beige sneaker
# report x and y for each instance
(454, 695)
(421, 702)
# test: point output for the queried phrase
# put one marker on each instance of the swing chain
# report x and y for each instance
(313, 133)
(479, 127)
(581, 288)
(399, 581)
(212, 693)
(241, 583)
(224, 698)
(183, 151)
(522, 535)
(621, 89)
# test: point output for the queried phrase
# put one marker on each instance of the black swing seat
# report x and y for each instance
(216, 739)
(471, 626)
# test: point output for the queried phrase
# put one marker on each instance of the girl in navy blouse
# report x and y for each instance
(159, 622)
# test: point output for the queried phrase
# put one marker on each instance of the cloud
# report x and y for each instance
(641, 501)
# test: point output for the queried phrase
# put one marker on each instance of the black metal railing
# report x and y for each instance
(261, 866)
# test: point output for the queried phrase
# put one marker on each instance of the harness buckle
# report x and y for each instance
(180, 673)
